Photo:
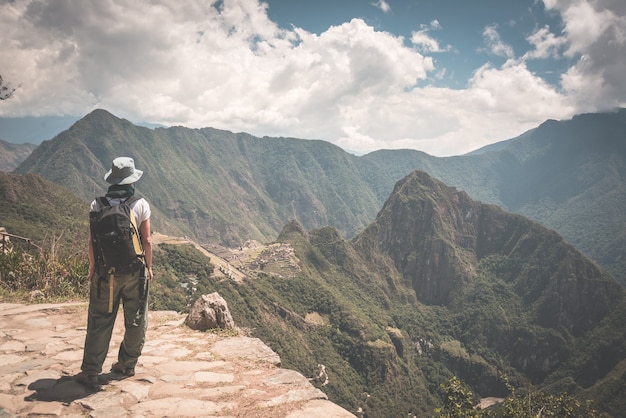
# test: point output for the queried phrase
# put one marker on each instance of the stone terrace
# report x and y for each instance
(182, 372)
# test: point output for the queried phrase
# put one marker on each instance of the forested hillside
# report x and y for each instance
(440, 285)
(11, 155)
(437, 285)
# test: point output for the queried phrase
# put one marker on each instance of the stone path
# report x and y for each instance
(181, 373)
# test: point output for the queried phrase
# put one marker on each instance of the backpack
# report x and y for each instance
(115, 237)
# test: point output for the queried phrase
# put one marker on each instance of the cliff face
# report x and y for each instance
(441, 241)
(506, 284)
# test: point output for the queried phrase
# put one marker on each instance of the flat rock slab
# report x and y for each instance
(245, 347)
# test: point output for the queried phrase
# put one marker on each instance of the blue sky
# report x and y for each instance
(459, 28)
(444, 77)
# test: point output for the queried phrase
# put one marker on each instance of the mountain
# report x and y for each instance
(35, 208)
(214, 185)
(11, 155)
(570, 176)
(223, 187)
(33, 129)
(436, 285)
(439, 284)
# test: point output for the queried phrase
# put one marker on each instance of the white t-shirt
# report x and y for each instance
(140, 208)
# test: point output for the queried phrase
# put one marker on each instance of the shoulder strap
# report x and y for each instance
(103, 201)
(131, 199)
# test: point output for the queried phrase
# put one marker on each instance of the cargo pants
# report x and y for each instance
(100, 322)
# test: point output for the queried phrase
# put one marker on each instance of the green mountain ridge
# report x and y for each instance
(11, 155)
(218, 186)
(35, 208)
(437, 285)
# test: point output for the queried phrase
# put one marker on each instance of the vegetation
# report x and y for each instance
(181, 275)
(460, 402)
(53, 264)
(46, 273)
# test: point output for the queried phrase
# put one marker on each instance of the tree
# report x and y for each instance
(6, 91)
(537, 403)
(458, 402)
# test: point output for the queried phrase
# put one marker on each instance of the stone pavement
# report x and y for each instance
(181, 373)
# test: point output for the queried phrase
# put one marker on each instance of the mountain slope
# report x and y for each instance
(214, 185)
(571, 176)
(223, 187)
(437, 285)
(11, 155)
(35, 208)
(441, 240)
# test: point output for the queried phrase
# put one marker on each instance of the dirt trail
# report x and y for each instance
(245, 262)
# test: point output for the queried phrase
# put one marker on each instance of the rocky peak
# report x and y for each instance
(438, 236)
(428, 229)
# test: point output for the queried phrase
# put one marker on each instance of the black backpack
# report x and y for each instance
(115, 237)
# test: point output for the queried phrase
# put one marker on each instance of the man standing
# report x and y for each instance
(111, 285)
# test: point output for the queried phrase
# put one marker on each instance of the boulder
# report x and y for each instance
(210, 311)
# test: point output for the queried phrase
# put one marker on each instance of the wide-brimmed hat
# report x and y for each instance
(123, 171)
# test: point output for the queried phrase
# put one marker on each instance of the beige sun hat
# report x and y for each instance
(123, 171)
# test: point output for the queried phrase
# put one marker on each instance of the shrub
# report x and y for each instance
(56, 274)
(459, 401)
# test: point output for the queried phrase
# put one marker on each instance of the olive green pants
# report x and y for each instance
(100, 322)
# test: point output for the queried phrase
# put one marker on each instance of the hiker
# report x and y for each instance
(110, 285)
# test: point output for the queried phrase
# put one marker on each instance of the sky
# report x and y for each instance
(441, 76)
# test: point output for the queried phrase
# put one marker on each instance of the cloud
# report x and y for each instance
(227, 65)
(546, 44)
(383, 5)
(424, 42)
(494, 44)
(594, 31)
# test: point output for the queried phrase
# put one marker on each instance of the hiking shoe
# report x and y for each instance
(120, 369)
(87, 379)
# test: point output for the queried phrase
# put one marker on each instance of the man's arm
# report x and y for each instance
(92, 258)
(146, 242)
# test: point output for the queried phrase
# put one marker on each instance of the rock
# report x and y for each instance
(36, 295)
(245, 347)
(209, 311)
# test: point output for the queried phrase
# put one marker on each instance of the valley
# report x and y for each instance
(245, 262)
(395, 270)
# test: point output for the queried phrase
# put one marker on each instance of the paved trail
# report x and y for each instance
(182, 372)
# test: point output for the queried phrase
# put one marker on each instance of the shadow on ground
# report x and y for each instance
(66, 389)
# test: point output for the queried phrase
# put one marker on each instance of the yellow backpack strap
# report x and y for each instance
(135, 233)
(111, 288)
(136, 239)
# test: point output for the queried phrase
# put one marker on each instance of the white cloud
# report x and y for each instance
(383, 5)
(546, 44)
(495, 45)
(424, 42)
(595, 31)
(190, 63)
